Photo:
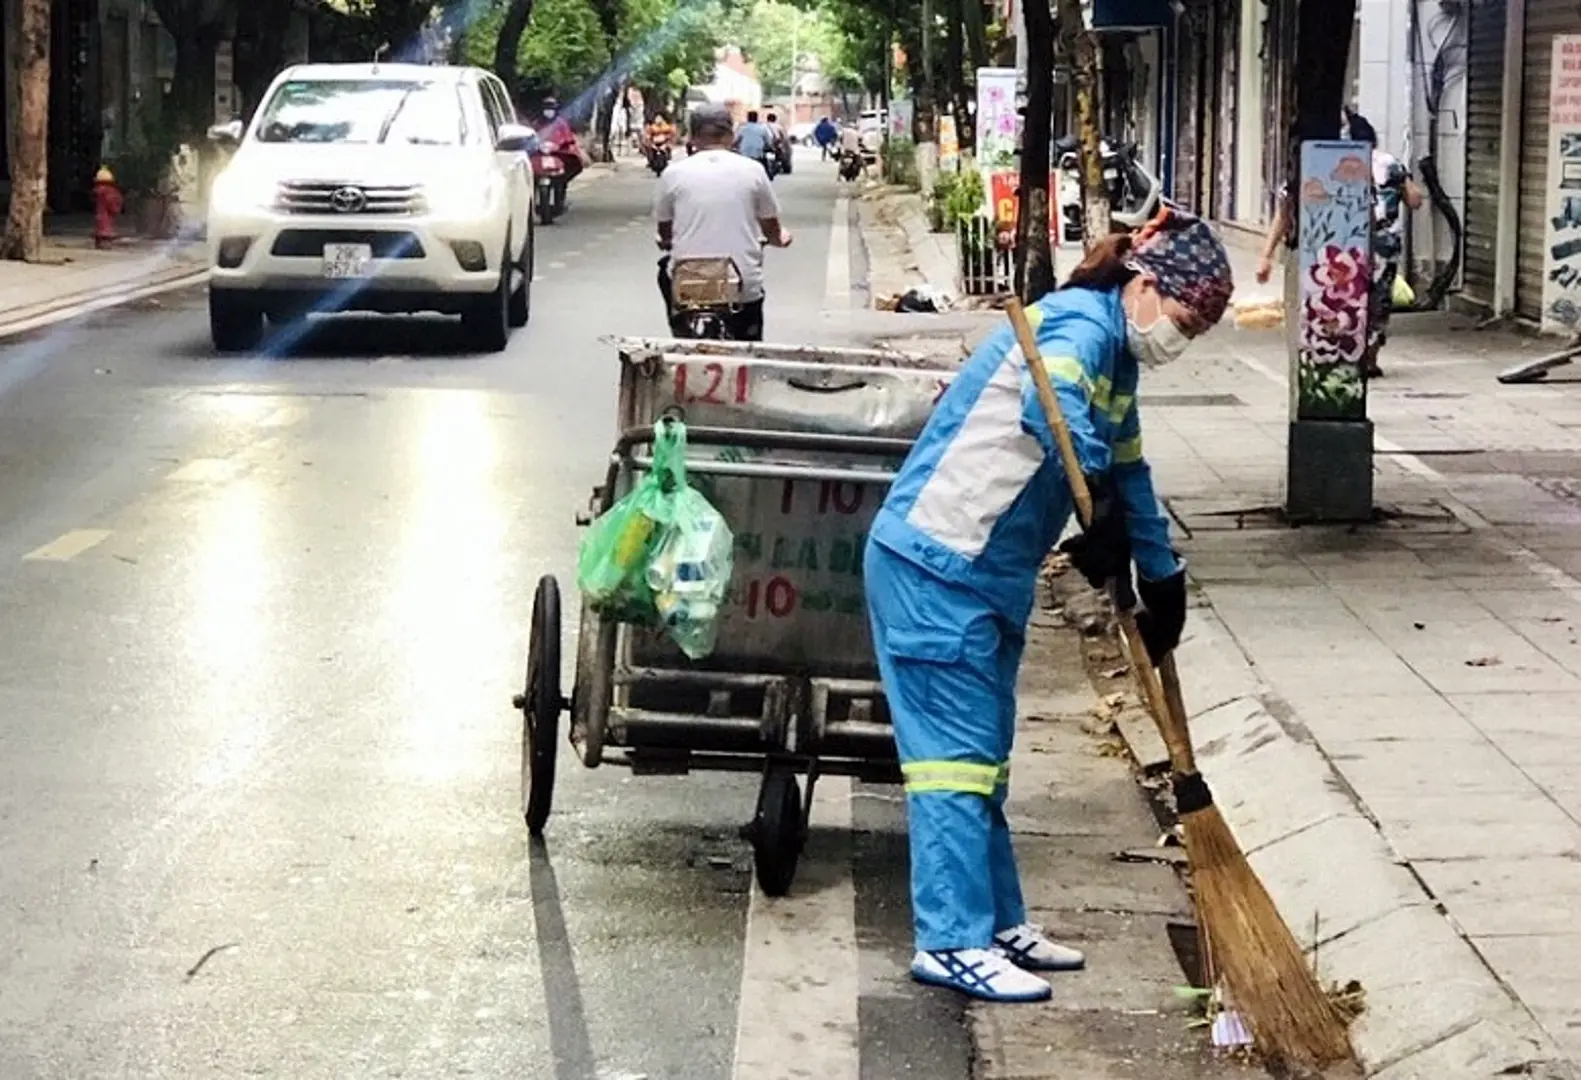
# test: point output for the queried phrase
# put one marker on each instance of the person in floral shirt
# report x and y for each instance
(1393, 192)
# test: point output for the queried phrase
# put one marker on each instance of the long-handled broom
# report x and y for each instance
(1246, 943)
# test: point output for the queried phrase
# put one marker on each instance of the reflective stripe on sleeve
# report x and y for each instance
(1128, 451)
(963, 776)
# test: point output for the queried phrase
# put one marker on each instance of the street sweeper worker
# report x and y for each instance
(952, 561)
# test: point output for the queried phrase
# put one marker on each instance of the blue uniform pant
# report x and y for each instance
(948, 662)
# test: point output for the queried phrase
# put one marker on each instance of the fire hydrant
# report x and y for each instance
(107, 202)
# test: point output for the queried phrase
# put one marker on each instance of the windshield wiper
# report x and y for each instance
(389, 121)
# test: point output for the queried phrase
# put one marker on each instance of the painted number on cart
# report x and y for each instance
(710, 384)
(776, 597)
(836, 496)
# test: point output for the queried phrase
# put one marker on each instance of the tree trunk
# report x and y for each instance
(508, 47)
(976, 35)
(1323, 32)
(261, 29)
(955, 64)
(1079, 46)
(1034, 255)
(191, 95)
(24, 227)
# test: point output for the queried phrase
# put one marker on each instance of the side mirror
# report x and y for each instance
(515, 139)
(226, 133)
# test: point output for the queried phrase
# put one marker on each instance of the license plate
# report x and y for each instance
(347, 260)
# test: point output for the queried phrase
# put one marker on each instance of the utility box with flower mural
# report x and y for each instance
(1334, 241)
(1329, 455)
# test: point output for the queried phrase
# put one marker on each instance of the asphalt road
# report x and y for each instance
(258, 771)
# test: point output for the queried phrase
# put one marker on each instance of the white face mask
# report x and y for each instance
(1160, 343)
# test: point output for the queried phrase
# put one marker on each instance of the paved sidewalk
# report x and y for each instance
(72, 273)
(1389, 714)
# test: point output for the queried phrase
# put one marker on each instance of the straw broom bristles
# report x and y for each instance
(1245, 940)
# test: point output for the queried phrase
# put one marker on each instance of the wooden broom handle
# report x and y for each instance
(1162, 694)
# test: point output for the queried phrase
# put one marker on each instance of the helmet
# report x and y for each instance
(104, 175)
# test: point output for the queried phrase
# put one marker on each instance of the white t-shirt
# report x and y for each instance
(714, 201)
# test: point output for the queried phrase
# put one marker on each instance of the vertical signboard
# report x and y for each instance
(1334, 281)
(1562, 242)
(900, 115)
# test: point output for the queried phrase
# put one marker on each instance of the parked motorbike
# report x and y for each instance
(1134, 193)
(851, 165)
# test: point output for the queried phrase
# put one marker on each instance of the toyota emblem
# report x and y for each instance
(348, 200)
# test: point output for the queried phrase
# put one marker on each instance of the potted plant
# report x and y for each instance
(145, 174)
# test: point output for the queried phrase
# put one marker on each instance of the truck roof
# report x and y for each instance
(348, 72)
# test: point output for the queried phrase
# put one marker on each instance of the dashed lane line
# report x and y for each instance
(800, 976)
(68, 546)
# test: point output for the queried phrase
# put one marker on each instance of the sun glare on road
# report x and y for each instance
(448, 597)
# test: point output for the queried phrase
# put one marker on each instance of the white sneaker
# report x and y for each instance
(986, 974)
(1028, 947)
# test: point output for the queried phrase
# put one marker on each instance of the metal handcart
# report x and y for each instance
(796, 447)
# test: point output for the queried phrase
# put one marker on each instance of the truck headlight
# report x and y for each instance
(462, 201)
(236, 191)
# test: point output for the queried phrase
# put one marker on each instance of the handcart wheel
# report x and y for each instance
(540, 704)
(776, 832)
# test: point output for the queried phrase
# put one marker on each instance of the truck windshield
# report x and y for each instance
(364, 111)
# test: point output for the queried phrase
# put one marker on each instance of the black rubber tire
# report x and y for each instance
(487, 321)
(545, 205)
(541, 704)
(777, 832)
(520, 309)
(235, 321)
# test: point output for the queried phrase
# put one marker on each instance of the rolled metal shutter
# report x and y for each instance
(1544, 19)
(1484, 91)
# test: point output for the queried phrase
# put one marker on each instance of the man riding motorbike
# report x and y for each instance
(555, 137)
(657, 140)
(753, 141)
(717, 205)
(781, 143)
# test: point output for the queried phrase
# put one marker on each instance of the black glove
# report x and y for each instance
(1164, 614)
(1102, 550)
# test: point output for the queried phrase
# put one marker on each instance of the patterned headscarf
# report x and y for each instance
(1189, 261)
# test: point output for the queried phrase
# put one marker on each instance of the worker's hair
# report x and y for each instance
(752, 116)
(1105, 266)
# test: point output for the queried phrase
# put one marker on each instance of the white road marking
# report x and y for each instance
(203, 471)
(68, 545)
(572, 254)
(799, 977)
(284, 416)
(557, 266)
(837, 295)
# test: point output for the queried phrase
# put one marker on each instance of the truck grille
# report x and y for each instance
(331, 197)
(309, 243)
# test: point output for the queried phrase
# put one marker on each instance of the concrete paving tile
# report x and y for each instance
(1544, 970)
(1418, 600)
(1423, 981)
(1381, 673)
(1484, 657)
(1210, 568)
(1319, 905)
(1437, 825)
(1427, 768)
(1547, 606)
(1561, 781)
(1385, 563)
(1533, 894)
(1477, 583)
(1313, 599)
(1561, 642)
(1384, 718)
(1505, 1044)
(1535, 713)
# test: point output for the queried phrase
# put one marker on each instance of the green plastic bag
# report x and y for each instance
(613, 558)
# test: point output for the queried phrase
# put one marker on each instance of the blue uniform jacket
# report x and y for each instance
(982, 497)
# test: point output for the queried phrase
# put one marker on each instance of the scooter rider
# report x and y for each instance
(554, 130)
(754, 141)
(717, 204)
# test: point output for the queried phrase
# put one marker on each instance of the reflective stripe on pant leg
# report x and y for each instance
(963, 776)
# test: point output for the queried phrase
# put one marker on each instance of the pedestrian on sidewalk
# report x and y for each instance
(107, 203)
(952, 565)
(1392, 188)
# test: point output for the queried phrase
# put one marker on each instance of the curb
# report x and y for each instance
(32, 317)
(1434, 1009)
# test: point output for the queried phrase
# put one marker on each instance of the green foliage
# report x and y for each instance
(562, 50)
(958, 196)
(900, 162)
(670, 44)
(775, 35)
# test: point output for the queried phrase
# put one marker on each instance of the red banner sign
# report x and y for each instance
(1005, 202)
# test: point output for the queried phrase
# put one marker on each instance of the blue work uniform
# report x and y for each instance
(951, 569)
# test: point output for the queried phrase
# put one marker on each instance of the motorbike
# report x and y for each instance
(659, 157)
(548, 170)
(771, 164)
(851, 165)
(1135, 194)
